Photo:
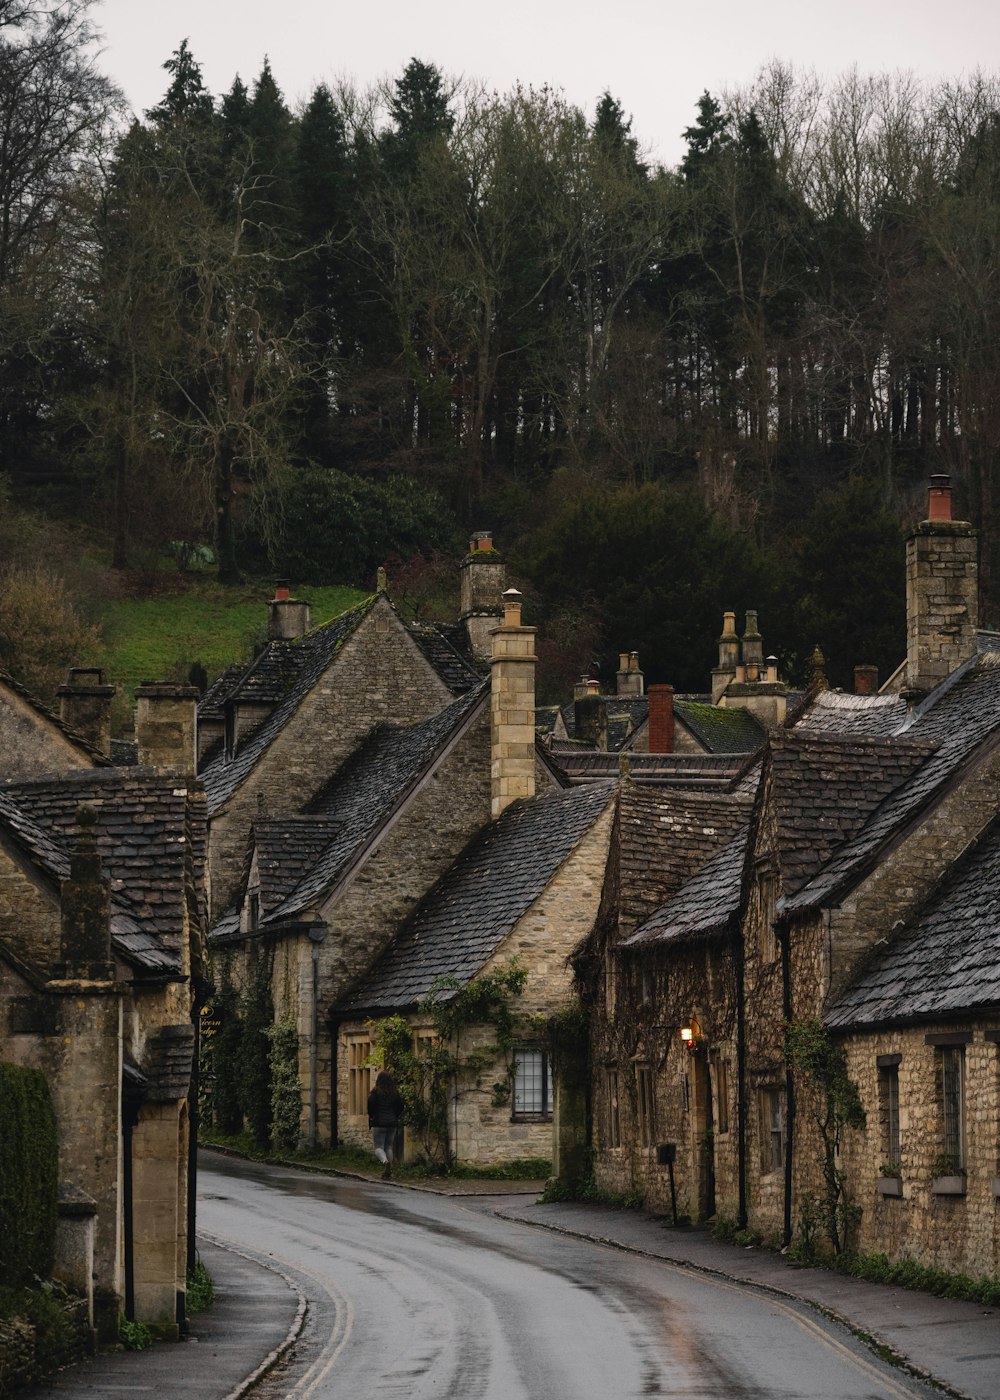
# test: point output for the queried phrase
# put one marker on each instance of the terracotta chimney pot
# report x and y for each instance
(865, 680)
(939, 497)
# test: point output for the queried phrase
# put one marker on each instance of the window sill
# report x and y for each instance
(531, 1117)
(948, 1186)
(889, 1186)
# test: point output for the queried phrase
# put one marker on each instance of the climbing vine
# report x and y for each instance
(430, 1072)
(835, 1106)
(286, 1095)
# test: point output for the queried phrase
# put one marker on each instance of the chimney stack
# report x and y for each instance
(85, 943)
(661, 719)
(942, 588)
(483, 580)
(85, 706)
(287, 617)
(866, 680)
(591, 717)
(166, 726)
(512, 708)
(631, 680)
(729, 655)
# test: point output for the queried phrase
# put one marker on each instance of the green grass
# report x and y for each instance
(189, 618)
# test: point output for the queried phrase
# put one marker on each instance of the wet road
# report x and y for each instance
(432, 1298)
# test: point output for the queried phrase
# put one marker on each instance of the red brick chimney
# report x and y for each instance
(661, 719)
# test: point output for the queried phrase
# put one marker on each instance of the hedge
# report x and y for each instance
(29, 1157)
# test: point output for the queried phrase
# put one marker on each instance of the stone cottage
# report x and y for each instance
(862, 897)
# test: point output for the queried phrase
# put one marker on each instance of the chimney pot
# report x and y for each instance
(939, 497)
(281, 590)
(512, 608)
(865, 680)
(481, 542)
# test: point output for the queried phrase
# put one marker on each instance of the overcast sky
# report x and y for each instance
(655, 56)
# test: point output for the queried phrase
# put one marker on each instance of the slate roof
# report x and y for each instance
(957, 717)
(312, 654)
(947, 962)
(464, 919)
(720, 729)
(836, 712)
(824, 786)
(323, 843)
(704, 904)
(93, 753)
(582, 765)
(662, 838)
(168, 1061)
(285, 672)
(145, 837)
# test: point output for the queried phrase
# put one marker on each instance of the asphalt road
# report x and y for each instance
(434, 1298)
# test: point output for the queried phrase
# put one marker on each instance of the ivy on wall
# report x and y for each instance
(29, 1159)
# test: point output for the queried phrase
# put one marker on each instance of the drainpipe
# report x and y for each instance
(317, 933)
(785, 941)
(741, 1088)
(202, 991)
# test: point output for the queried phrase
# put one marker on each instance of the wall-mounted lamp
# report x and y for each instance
(687, 1035)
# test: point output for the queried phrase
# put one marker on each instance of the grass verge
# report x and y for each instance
(356, 1159)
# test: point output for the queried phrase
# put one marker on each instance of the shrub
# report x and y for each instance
(29, 1155)
(286, 1096)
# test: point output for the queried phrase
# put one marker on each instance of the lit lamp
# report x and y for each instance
(687, 1035)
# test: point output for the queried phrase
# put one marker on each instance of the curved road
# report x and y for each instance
(433, 1298)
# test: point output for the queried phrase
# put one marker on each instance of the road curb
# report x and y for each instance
(871, 1340)
(276, 1353)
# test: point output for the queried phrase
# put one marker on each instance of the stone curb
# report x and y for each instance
(275, 1355)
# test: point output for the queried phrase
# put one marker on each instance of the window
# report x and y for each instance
(359, 1075)
(721, 1095)
(614, 1111)
(646, 1105)
(532, 1085)
(888, 1103)
(772, 1130)
(952, 1072)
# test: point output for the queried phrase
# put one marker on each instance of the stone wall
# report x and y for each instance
(30, 743)
(378, 675)
(942, 601)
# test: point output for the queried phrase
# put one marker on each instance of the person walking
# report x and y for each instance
(385, 1113)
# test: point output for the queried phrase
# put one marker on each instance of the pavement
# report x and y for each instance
(258, 1311)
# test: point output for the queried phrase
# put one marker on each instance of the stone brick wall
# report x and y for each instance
(942, 602)
(31, 744)
(29, 915)
(955, 1232)
(379, 675)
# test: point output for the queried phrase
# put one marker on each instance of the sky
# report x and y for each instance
(655, 56)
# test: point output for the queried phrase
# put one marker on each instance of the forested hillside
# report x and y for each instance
(314, 339)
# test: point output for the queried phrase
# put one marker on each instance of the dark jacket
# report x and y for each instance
(384, 1110)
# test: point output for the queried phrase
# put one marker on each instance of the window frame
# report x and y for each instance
(951, 1067)
(773, 1119)
(359, 1074)
(888, 1102)
(612, 1085)
(645, 1091)
(544, 1091)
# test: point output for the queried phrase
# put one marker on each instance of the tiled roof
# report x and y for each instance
(168, 1061)
(545, 718)
(947, 962)
(825, 786)
(721, 730)
(836, 712)
(446, 647)
(285, 672)
(323, 843)
(626, 714)
(957, 717)
(674, 769)
(704, 904)
(466, 916)
(77, 740)
(662, 837)
(145, 837)
(312, 654)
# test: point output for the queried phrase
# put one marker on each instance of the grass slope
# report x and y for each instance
(192, 618)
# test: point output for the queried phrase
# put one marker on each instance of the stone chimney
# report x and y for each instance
(591, 717)
(483, 580)
(752, 649)
(942, 593)
(512, 708)
(85, 706)
(866, 680)
(631, 680)
(85, 941)
(661, 719)
(755, 684)
(287, 617)
(729, 655)
(166, 726)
